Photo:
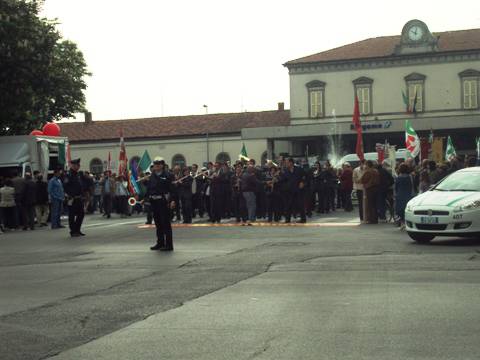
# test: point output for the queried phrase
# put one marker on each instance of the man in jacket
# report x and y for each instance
(75, 188)
(294, 179)
(28, 202)
(57, 196)
(108, 191)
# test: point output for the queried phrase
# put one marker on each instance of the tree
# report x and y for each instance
(42, 76)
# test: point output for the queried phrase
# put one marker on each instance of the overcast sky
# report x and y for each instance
(155, 57)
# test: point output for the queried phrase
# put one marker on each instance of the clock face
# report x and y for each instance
(415, 33)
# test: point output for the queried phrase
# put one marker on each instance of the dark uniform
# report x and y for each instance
(294, 181)
(75, 186)
(159, 190)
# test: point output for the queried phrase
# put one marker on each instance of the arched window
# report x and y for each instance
(96, 166)
(222, 157)
(179, 160)
(133, 160)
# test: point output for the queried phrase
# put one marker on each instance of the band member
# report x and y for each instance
(159, 189)
(238, 202)
(294, 180)
(217, 183)
(185, 194)
(177, 174)
(198, 190)
(75, 186)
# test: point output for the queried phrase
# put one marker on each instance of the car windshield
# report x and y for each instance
(460, 181)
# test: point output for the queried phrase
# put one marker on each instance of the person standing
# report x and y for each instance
(74, 187)
(404, 191)
(7, 205)
(249, 186)
(28, 202)
(19, 185)
(385, 183)
(57, 196)
(97, 194)
(294, 178)
(108, 190)
(159, 189)
(217, 183)
(121, 193)
(358, 186)
(346, 186)
(185, 195)
(238, 202)
(41, 205)
(370, 181)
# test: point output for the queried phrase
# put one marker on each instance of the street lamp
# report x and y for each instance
(206, 108)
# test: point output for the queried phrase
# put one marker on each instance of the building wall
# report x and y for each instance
(442, 89)
(194, 149)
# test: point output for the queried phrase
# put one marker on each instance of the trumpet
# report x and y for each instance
(145, 178)
(272, 162)
(182, 178)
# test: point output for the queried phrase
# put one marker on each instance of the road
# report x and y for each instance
(334, 289)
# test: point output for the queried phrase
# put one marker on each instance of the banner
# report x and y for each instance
(358, 128)
(437, 150)
(380, 152)
(424, 148)
(450, 152)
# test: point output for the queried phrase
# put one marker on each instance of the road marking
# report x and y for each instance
(112, 224)
(260, 224)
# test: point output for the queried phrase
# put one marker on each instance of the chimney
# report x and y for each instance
(281, 106)
(88, 117)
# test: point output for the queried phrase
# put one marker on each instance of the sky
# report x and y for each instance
(152, 58)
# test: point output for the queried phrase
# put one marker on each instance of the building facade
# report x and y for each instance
(180, 140)
(432, 79)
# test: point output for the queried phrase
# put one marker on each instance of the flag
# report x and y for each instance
(358, 127)
(430, 137)
(437, 149)
(478, 148)
(412, 142)
(424, 148)
(243, 153)
(122, 159)
(134, 178)
(450, 151)
(145, 161)
(414, 107)
(406, 102)
(392, 157)
(380, 152)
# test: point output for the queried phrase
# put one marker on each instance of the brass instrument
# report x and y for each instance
(145, 178)
(272, 162)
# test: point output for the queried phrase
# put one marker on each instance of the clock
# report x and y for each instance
(415, 33)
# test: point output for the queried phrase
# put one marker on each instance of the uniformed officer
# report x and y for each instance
(159, 189)
(74, 186)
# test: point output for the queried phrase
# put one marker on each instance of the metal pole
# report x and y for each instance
(208, 149)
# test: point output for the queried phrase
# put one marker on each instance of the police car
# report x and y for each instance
(450, 208)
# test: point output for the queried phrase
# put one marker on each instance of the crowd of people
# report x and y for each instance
(285, 191)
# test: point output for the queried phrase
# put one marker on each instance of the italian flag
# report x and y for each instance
(406, 102)
(412, 141)
(243, 154)
(450, 151)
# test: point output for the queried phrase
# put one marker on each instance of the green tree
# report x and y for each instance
(42, 76)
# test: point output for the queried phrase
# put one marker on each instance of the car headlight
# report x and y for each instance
(472, 205)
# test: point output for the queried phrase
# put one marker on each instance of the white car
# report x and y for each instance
(450, 208)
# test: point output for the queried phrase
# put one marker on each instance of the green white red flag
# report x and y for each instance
(450, 151)
(412, 141)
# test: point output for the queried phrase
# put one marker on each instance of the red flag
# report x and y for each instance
(380, 152)
(358, 127)
(122, 163)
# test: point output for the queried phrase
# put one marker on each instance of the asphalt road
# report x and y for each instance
(334, 289)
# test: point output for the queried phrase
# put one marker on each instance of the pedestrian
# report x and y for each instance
(41, 205)
(19, 185)
(404, 191)
(57, 197)
(7, 205)
(249, 186)
(238, 201)
(97, 194)
(346, 186)
(159, 190)
(385, 183)
(28, 202)
(294, 177)
(108, 192)
(370, 181)
(185, 195)
(358, 186)
(121, 194)
(217, 183)
(74, 186)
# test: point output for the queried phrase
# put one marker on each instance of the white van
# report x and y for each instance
(400, 154)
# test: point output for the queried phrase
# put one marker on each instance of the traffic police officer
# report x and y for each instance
(159, 189)
(74, 186)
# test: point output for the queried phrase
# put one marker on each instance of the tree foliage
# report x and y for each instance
(42, 76)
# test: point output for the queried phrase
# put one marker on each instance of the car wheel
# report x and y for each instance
(421, 238)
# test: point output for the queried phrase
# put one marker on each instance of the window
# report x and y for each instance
(179, 160)
(470, 86)
(363, 90)
(316, 99)
(96, 166)
(416, 92)
(222, 157)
